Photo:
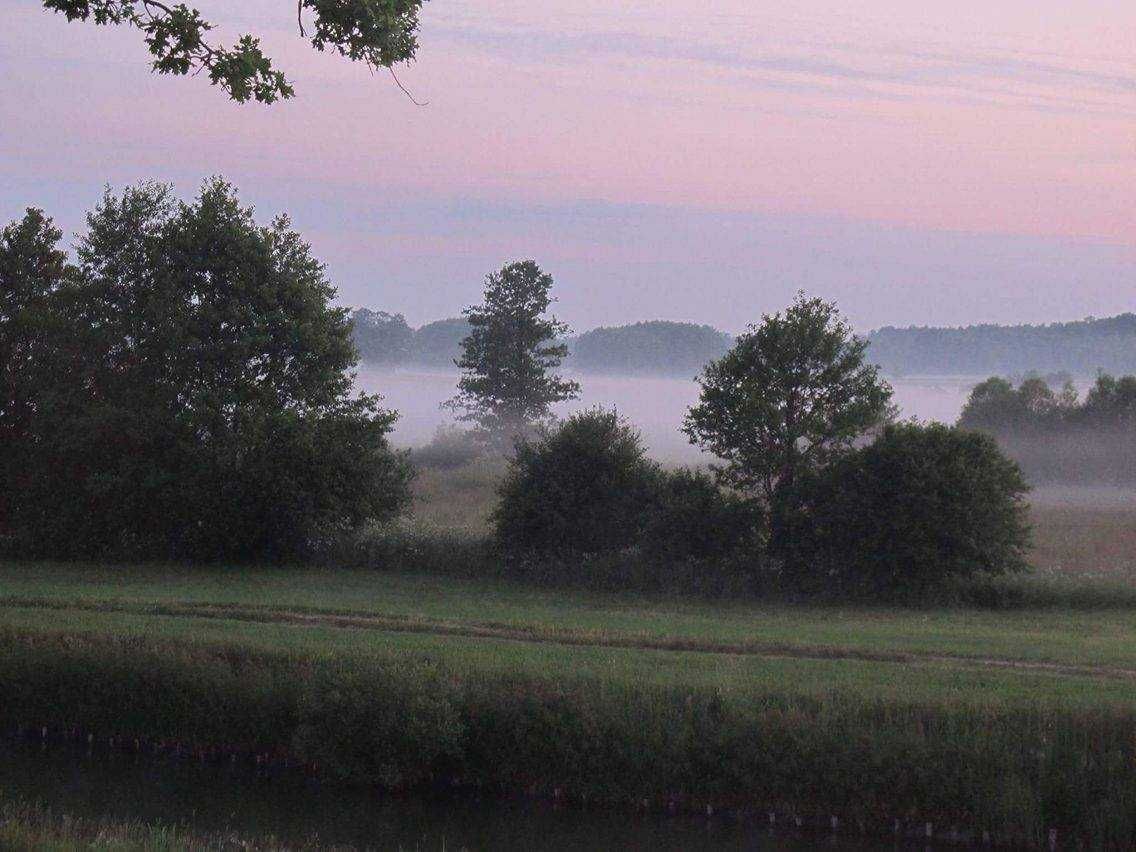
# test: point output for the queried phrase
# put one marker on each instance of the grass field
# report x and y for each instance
(982, 689)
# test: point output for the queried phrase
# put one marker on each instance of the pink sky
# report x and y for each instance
(620, 142)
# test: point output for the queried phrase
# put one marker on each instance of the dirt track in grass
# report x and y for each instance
(575, 637)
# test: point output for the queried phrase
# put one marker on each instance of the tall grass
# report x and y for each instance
(410, 723)
(25, 826)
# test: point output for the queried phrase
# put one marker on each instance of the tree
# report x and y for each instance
(378, 33)
(33, 271)
(439, 343)
(207, 408)
(506, 387)
(656, 347)
(1111, 402)
(791, 394)
(381, 338)
(917, 507)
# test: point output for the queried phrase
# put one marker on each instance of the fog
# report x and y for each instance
(655, 405)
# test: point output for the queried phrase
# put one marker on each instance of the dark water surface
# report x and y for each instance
(209, 799)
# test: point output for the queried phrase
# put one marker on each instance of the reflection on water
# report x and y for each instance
(209, 799)
(655, 405)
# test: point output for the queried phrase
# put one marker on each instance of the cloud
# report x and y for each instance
(1002, 77)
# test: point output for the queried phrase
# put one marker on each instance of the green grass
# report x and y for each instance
(935, 710)
(740, 675)
(1098, 638)
(861, 739)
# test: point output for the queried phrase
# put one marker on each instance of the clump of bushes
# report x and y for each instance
(1055, 435)
(914, 512)
(583, 503)
(919, 507)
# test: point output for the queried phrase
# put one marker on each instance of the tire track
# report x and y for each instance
(544, 634)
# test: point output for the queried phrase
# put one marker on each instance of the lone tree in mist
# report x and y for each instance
(378, 33)
(792, 393)
(506, 387)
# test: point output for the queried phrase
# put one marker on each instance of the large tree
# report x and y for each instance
(507, 385)
(792, 392)
(379, 33)
(197, 400)
(33, 272)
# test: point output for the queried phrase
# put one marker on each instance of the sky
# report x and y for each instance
(920, 164)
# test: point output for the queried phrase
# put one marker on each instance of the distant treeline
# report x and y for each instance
(664, 348)
(1054, 434)
(1083, 348)
(644, 348)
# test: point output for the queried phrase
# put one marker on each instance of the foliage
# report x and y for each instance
(381, 338)
(379, 33)
(451, 447)
(439, 343)
(658, 347)
(583, 504)
(995, 405)
(579, 488)
(1082, 347)
(1111, 402)
(194, 397)
(506, 387)
(33, 272)
(691, 517)
(793, 393)
(1056, 436)
(919, 506)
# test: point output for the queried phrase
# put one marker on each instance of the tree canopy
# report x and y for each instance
(791, 393)
(378, 33)
(1083, 347)
(184, 390)
(657, 347)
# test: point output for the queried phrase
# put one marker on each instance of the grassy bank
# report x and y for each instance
(412, 717)
(1008, 722)
(1011, 721)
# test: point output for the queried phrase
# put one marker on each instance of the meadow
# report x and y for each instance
(1009, 720)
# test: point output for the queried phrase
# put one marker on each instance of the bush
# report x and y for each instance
(583, 503)
(451, 447)
(920, 506)
(690, 517)
(580, 488)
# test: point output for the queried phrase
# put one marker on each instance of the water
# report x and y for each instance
(209, 799)
(655, 405)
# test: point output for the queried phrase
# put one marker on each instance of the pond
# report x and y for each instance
(209, 799)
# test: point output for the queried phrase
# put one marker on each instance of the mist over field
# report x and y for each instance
(656, 405)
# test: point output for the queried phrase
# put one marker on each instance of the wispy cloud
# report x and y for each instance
(999, 77)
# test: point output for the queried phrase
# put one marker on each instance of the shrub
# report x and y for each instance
(690, 517)
(919, 506)
(451, 447)
(579, 488)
